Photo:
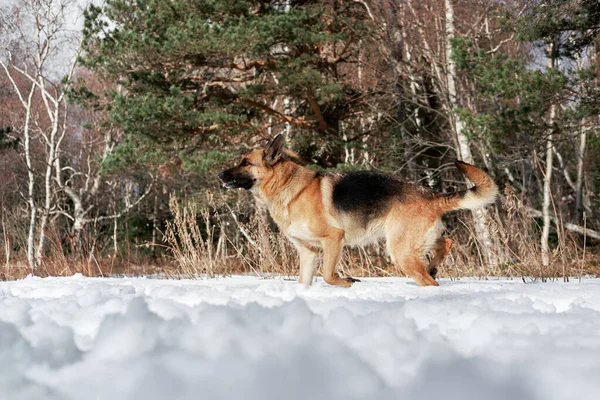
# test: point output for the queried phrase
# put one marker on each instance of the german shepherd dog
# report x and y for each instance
(327, 211)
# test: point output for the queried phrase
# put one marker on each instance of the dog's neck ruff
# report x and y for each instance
(285, 186)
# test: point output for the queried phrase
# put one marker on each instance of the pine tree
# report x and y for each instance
(202, 74)
(7, 142)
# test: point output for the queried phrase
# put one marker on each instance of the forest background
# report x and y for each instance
(115, 117)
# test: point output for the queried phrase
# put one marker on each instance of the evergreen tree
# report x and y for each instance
(203, 74)
(5, 141)
(514, 92)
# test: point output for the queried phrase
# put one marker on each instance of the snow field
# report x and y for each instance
(250, 338)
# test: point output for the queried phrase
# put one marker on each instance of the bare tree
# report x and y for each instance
(34, 38)
(546, 211)
(580, 203)
(463, 144)
(35, 34)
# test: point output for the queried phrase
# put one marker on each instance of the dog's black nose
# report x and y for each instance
(221, 175)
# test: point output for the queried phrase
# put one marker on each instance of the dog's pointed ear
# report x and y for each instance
(274, 150)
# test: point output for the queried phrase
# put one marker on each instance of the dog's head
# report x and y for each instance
(253, 167)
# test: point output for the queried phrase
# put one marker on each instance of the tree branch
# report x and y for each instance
(301, 121)
(572, 227)
(317, 110)
(124, 211)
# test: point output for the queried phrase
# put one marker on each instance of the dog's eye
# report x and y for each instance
(245, 163)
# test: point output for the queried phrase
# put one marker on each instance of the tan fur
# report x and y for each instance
(300, 202)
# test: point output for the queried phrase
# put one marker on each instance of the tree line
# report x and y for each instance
(104, 122)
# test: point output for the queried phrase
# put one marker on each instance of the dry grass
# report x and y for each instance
(204, 242)
(207, 238)
(106, 266)
(519, 249)
(191, 242)
(85, 260)
(250, 247)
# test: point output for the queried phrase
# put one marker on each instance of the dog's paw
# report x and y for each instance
(350, 279)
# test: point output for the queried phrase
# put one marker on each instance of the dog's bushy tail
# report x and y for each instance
(483, 193)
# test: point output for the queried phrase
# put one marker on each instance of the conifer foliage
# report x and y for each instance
(200, 72)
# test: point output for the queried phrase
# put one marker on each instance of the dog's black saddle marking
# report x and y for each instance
(366, 192)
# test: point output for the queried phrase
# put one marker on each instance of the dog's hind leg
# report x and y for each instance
(413, 266)
(332, 248)
(440, 250)
(407, 256)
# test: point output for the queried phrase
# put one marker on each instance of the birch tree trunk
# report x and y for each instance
(50, 140)
(5, 239)
(464, 150)
(402, 47)
(579, 183)
(579, 206)
(56, 107)
(32, 206)
(480, 216)
(547, 193)
(545, 248)
(43, 26)
(30, 186)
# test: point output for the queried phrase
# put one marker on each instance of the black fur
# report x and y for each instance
(236, 179)
(433, 272)
(367, 193)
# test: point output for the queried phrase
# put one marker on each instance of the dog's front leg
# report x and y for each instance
(308, 264)
(332, 248)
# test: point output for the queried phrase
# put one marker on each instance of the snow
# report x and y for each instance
(251, 338)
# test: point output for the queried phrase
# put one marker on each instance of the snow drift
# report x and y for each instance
(249, 338)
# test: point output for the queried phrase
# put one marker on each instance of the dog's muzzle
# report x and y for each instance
(233, 180)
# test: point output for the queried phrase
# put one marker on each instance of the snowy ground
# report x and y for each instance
(248, 338)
